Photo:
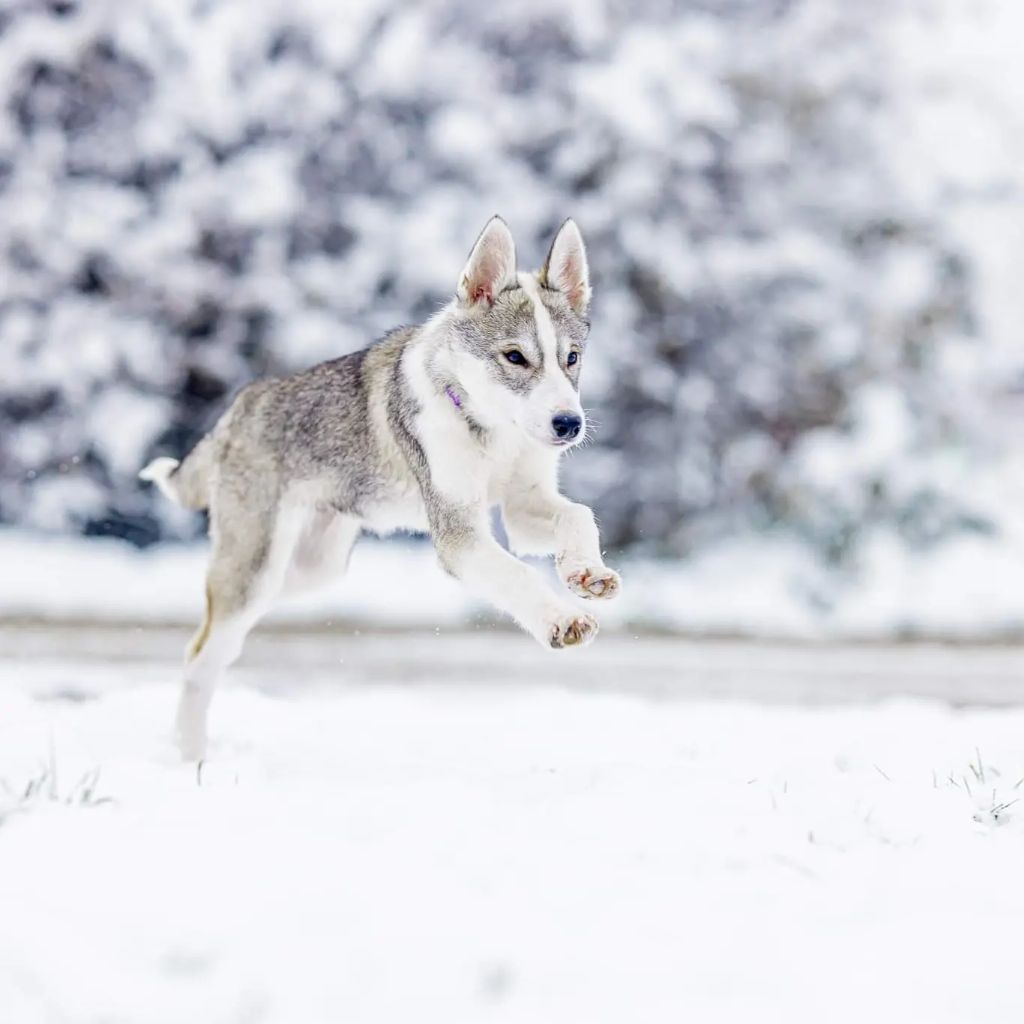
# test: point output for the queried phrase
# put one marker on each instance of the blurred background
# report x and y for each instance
(804, 221)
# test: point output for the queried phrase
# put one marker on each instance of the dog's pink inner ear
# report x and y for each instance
(567, 267)
(491, 265)
(572, 281)
(480, 280)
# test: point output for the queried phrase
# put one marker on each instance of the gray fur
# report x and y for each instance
(297, 467)
(512, 317)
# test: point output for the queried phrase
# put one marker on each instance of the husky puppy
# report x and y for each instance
(425, 430)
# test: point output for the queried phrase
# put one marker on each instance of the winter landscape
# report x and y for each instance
(786, 782)
(375, 840)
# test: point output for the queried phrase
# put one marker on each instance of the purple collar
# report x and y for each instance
(454, 396)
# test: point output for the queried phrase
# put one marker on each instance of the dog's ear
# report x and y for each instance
(491, 266)
(566, 269)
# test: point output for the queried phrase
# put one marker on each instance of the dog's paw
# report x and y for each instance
(601, 583)
(572, 631)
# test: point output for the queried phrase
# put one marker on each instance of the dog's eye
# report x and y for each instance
(574, 358)
(515, 357)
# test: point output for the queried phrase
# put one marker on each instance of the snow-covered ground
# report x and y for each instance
(462, 828)
(966, 589)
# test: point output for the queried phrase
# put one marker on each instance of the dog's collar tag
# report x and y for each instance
(454, 396)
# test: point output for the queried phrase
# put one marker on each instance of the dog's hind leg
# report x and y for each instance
(322, 551)
(250, 559)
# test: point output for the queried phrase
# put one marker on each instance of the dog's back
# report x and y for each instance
(319, 425)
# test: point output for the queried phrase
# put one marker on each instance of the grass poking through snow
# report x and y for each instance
(44, 788)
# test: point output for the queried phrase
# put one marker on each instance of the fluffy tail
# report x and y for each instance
(186, 483)
(159, 472)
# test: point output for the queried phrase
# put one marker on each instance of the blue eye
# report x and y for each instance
(574, 358)
(515, 357)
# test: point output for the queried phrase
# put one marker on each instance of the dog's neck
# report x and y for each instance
(443, 382)
(454, 393)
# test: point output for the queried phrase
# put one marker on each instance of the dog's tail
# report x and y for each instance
(188, 482)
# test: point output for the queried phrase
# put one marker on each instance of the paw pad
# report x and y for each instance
(573, 632)
(601, 583)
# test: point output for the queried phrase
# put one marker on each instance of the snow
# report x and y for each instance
(519, 843)
(802, 223)
(968, 588)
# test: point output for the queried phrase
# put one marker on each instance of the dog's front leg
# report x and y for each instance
(540, 521)
(469, 552)
(578, 553)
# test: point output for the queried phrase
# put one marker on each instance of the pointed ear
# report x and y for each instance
(491, 266)
(566, 267)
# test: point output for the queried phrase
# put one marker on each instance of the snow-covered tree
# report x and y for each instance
(196, 194)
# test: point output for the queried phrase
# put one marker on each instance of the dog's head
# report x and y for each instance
(517, 340)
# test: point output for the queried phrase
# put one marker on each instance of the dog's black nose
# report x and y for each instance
(566, 425)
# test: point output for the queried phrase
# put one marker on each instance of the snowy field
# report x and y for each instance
(442, 827)
(966, 589)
